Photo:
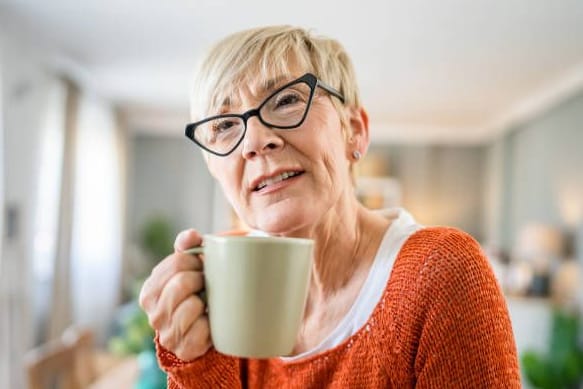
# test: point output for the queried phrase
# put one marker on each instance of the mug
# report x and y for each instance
(256, 290)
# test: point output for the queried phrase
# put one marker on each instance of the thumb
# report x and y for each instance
(187, 239)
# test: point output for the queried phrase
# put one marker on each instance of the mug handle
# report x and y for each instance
(195, 251)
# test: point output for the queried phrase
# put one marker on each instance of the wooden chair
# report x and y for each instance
(65, 363)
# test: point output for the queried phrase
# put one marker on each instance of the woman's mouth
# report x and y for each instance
(276, 179)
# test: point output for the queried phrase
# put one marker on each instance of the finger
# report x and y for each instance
(173, 332)
(161, 274)
(176, 263)
(187, 239)
(177, 289)
(187, 313)
(196, 342)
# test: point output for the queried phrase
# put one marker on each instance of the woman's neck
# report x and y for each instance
(345, 244)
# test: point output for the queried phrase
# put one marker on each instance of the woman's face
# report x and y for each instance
(285, 181)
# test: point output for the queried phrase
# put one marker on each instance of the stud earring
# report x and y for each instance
(356, 154)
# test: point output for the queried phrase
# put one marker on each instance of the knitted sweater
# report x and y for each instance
(442, 322)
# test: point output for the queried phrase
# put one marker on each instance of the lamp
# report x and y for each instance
(540, 246)
(566, 285)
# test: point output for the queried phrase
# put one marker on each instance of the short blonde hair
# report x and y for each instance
(264, 53)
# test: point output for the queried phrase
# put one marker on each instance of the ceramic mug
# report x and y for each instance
(256, 290)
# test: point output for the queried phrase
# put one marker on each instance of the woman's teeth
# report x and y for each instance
(276, 179)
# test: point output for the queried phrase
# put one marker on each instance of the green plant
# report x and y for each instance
(135, 334)
(156, 237)
(136, 337)
(562, 366)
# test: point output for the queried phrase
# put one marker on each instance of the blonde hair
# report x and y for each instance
(266, 53)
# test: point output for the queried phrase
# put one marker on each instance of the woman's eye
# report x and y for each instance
(223, 125)
(287, 99)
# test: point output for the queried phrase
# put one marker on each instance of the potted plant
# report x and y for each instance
(562, 366)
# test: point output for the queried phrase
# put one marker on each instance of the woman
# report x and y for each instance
(391, 304)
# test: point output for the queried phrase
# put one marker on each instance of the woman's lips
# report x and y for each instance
(277, 182)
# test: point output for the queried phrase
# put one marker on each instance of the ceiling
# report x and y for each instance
(443, 71)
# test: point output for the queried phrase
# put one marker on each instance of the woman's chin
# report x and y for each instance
(289, 222)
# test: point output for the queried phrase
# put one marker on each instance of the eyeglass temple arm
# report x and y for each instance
(330, 90)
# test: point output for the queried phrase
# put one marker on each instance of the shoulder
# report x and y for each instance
(441, 245)
(441, 238)
(444, 260)
(442, 284)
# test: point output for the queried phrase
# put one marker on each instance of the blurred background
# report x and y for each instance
(476, 120)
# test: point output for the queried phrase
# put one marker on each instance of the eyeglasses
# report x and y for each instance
(284, 109)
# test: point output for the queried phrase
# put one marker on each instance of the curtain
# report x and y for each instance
(3, 306)
(79, 220)
(62, 188)
(28, 97)
(98, 222)
(60, 316)
(30, 106)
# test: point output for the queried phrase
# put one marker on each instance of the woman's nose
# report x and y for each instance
(260, 139)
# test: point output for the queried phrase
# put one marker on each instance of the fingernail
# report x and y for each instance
(181, 238)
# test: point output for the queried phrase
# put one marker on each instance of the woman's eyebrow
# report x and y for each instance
(225, 105)
(272, 83)
(262, 89)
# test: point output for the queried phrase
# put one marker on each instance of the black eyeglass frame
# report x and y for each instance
(311, 80)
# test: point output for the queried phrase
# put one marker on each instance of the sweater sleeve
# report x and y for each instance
(466, 338)
(212, 370)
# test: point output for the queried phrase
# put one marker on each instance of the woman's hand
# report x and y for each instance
(169, 299)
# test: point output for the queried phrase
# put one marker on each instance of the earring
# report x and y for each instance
(356, 154)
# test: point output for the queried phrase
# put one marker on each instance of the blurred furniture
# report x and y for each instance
(123, 375)
(538, 251)
(66, 362)
(73, 362)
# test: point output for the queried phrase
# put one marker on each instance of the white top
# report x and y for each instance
(403, 225)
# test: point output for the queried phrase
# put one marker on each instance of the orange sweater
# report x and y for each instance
(442, 322)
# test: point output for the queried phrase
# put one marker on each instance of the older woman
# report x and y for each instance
(391, 304)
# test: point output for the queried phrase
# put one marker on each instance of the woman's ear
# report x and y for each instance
(358, 137)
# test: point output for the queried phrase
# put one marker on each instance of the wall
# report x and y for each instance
(537, 173)
(534, 173)
(440, 184)
(24, 92)
(169, 177)
(4, 362)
